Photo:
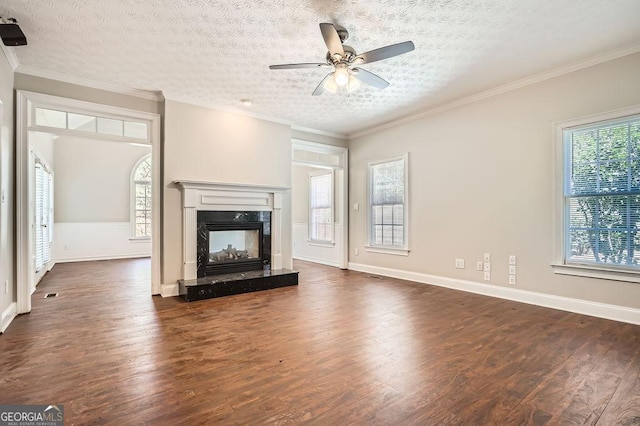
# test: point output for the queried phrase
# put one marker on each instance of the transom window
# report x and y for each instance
(141, 185)
(91, 124)
(321, 206)
(388, 203)
(602, 194)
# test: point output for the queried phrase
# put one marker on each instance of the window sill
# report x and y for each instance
(139, 239)
(319, 243)
(590, 271)
(388, 250)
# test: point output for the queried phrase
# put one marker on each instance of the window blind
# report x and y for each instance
(387, 203)
(43, 215)
(602, 193)
(321, 207)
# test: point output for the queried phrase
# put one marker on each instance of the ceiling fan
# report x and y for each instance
(346, 75)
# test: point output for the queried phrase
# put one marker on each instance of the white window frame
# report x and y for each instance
(560, 223)
(331, 240)
(132, 200)
(388, 249)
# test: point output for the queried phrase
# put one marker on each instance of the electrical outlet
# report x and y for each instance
(487, 257)
(356, 206)
(486, 267)
(479, 265)
(512, 269)
(512, 260)
(487, 276)
(6, 286)
(512, 279)
(357, 251)
(460, 263)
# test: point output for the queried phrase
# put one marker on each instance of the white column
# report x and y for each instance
(276, 232)
(189, 243)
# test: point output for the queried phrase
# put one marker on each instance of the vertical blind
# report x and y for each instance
(387, 203)
(321, 207)
(43, 215)
(602, 193)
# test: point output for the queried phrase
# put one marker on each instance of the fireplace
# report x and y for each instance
(233, 241)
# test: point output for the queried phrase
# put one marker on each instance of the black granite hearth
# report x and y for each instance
(236, 283)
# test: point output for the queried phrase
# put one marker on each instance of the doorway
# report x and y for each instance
(85, 128)
(320, 203)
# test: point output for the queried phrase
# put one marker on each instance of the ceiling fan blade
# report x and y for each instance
(331, 39)
(370, 78)
(320, 89)
(386, 52)
(296, 66)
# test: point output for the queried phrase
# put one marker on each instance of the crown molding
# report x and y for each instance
(11, 56)
(210, 105)
(517, 84)
(152, 95)
(232, 110)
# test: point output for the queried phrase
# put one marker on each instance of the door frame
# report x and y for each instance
(341, 170)
(26, 102)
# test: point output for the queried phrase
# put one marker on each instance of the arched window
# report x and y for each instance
(141, 197)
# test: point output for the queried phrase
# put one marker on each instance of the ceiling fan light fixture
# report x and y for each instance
(354, 84)
(330, 85)
(341, 76)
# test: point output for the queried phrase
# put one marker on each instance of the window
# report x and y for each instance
(43, 214)
(601, 195)
(388, 205)
(92, 124)
(321, 206)
(141, 199)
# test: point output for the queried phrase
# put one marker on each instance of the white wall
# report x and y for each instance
(93, 179)
(92, 199)
(319, 138)
(7, 204)
(304, 249)
(42, 145)
(208, 145)
(481, 181)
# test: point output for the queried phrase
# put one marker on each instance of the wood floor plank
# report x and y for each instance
(340, 348)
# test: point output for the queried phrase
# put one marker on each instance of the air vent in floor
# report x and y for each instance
(48, 295)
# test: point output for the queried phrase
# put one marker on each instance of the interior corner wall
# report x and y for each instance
(92, 179)
(480, 180)
(203, 144)
(7, 184)
(303, 248)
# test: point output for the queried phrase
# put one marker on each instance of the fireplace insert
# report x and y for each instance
(233, 242)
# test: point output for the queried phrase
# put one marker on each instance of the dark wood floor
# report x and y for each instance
(341, 348)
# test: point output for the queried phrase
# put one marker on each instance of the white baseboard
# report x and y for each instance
(579, 306)
(314, 260)
(92, 258)
(170, 290)
(7, 316)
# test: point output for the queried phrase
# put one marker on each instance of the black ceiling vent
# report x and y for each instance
(11, 33)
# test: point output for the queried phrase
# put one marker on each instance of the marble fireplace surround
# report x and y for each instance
(219, 196)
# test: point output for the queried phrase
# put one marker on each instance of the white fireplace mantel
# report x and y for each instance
(220, 196)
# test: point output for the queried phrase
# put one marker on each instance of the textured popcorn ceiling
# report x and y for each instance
(215, 53)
